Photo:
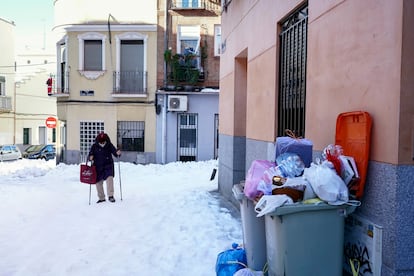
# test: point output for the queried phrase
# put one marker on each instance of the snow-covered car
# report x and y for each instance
(45, 152)
(9, 152)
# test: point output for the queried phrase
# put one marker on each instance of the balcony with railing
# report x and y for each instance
(210, 5)
(129, 84)
(60, 85)
(5, 104)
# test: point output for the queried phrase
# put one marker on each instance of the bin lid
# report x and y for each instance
(300, 207)
(353, 134)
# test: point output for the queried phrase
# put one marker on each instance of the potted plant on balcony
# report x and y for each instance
(182, 69)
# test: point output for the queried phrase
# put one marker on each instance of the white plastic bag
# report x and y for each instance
(268, 203)
(327, 184)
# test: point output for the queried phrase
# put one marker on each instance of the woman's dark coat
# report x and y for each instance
(103, 160)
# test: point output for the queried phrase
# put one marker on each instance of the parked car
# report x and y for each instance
(45, 152)
(9, 152)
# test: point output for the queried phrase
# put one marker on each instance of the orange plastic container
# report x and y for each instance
(353, 133)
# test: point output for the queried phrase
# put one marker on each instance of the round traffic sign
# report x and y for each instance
(51, 122)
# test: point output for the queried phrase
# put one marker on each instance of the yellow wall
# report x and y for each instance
(103, 105)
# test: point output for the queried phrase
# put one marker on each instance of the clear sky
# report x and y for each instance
(33, 20)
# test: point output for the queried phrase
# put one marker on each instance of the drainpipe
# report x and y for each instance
(164, 130)
(164, 102)
(14, 104)
(165, 38)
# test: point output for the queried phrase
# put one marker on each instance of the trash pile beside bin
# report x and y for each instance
(293, 210)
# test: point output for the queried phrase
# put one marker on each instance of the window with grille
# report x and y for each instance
(131, 135)
(88, 132)
(62, 80)
(292, 79)
(187, 137)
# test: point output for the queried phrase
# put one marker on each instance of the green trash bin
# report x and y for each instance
(306, 239)
(253, 227)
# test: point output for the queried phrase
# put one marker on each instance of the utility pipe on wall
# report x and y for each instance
(164, 129)
(165, 38)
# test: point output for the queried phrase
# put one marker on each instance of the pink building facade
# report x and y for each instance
(357, 56)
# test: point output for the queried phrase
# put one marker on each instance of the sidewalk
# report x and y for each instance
(234, 211)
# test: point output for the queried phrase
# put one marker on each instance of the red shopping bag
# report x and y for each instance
(87, 174)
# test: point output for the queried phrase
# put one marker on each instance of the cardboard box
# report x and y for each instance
(363, 246)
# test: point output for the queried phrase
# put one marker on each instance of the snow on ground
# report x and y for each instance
(170, 221)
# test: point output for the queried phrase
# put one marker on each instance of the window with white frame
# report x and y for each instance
(131, 66)
(92, 54)
(188, 41)
(217, 40)
(62, 82)
(2, 86)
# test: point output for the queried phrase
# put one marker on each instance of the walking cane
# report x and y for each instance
(119, 171)
(90, 187)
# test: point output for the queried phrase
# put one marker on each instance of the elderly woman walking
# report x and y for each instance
(101, 154)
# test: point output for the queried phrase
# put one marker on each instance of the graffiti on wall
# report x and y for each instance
(362, 247)
(359, 255)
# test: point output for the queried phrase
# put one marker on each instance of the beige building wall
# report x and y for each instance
(74, 113)
(125, 18)
(7, 126)
(113, 110)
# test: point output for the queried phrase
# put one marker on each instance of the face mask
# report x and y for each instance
(102, 144)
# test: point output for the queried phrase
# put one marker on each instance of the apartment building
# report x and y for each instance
(7, 91)
(106, 76)
(188, 80)
(34, 106)
(24, 102)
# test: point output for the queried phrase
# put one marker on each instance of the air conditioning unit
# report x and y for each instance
(177, 103)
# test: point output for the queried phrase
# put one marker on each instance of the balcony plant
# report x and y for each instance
(182, 69)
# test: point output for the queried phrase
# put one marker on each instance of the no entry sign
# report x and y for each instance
(51, 122)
